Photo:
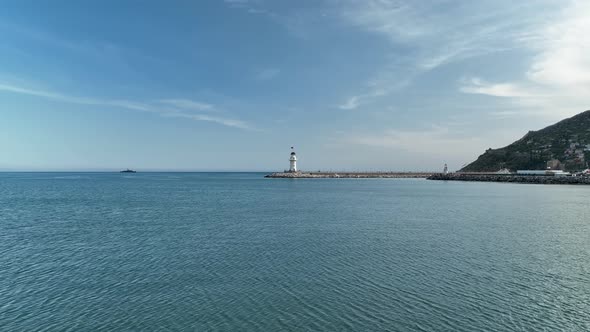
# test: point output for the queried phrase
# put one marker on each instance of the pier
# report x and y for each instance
(511, 178)
(294, 173)
(350, 175)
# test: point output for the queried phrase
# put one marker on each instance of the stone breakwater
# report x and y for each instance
(349, 175)
(511, 178)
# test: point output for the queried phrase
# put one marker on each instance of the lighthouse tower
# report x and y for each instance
(293, 162)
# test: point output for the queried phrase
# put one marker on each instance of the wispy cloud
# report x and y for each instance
(267, 74)
(478, 86)
(350, 104)
(526, 99)
(557, 80)
(355, 102)
(420, 148)
(436, 37)
(563, 49)
(187, 104)
(47, 94)
(432, 38)
(180, 108)
(435, 140)
(203, 117)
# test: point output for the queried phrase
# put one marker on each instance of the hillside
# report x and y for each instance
(567, 141)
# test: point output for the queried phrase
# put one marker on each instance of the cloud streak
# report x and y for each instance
(188, 105)
(557, 80)
(432, 38)
(180, 108)
(563, 49)
(434, 141)
(267, 74)
(478, 86)
(350, 104)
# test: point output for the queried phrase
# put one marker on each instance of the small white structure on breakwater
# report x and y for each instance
(293, 162)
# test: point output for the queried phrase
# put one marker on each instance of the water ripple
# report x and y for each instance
(226, 252)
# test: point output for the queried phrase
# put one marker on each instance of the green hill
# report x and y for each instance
(567, 141)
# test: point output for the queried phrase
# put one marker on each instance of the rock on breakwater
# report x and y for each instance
(511, 178)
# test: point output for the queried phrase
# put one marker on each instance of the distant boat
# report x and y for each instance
(128, 171)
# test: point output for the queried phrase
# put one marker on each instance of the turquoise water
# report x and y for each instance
(237, 252)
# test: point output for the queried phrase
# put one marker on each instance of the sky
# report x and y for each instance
(232, 85)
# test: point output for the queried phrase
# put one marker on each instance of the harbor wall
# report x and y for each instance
(534, 179)
(349, 175)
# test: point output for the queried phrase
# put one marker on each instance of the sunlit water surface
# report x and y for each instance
(237, 252)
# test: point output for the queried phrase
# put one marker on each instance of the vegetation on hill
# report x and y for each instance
(564, 145)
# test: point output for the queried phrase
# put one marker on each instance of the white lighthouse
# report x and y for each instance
(293, 162)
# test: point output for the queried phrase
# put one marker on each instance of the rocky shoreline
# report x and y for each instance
(349, 175)
(511, 178)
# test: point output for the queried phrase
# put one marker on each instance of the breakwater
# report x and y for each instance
(511, 178)
(349, 175)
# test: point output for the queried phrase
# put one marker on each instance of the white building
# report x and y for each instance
(293, 162)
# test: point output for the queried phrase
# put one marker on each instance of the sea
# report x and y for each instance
(238, 252)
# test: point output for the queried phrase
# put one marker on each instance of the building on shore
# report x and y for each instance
(554, 164)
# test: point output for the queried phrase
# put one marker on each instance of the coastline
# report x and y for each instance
(511, 178)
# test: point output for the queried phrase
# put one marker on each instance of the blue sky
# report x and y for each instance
(231, 85)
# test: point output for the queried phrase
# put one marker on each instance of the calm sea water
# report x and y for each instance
(237, 252)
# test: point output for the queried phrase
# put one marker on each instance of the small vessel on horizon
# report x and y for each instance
(128, 171)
